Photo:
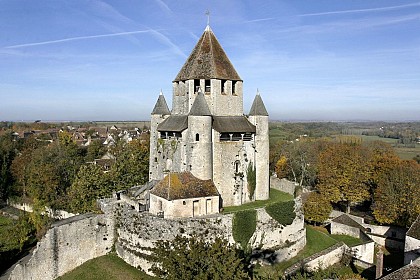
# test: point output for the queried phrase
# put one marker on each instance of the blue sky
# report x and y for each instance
(310, 60)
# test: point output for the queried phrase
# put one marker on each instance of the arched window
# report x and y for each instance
(197, 137)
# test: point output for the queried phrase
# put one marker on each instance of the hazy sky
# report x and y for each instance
(310, 60)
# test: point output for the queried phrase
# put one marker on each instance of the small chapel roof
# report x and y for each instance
(184, 185)
(232, 124)
(258, 107)
(161, 107)
(208, 60)
(200, 107)
(176, 123)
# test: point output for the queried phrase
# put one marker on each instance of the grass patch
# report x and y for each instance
(316, 241)
(348, 240)
(282, 211)
(244, 225)
(106, 267)
(275, 196)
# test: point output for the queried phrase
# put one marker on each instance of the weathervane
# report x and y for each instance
(208, 17)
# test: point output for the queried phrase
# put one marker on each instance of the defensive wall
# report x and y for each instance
(138, 232)
(67, 244)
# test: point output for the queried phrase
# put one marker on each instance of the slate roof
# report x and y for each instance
(176, 123)
(183, 186)
(414, 230)
(208, 60)
(232, 124)
(258, 107)
(200, 107)
(161, 107)
(346, 220)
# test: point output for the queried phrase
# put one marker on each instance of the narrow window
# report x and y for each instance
(196, 85)
(155, 159)
(207, 86)
(237, 166)
(233, 88)
(223, 88)
(197, 137)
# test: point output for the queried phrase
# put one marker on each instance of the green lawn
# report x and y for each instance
(350, 241)
(275, 196)
(316, 241)
(109, 267)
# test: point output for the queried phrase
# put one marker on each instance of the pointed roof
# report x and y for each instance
(208, 60)
(161, 107)
(200, 107)
(258, 107)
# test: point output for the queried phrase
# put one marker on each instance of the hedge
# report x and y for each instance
(283, 211)
(244, 225)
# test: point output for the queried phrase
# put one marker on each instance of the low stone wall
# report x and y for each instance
(283, 185)
(56, 214)
(66, 245)
(321, 260)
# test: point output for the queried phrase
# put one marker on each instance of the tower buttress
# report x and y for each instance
(159, 114)
(258, 116)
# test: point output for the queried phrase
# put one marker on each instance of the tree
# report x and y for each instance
(297, 162)
(132, 164)
(7, 153)
(91, 183)
(343, 173)
(396, 195)
(317, 208)
(193, 258)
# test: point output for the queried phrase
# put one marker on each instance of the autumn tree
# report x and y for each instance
(90, 184)
(193, 258)
(132, 163)
(343, 173)
(317, 208)
(297, 161)
(396, 197)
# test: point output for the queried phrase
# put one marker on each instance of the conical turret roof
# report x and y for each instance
(161, 107)
(200, 107)
(258, 107)
(208, 60)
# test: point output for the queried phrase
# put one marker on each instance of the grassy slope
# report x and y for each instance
(109, 267)
(275, 196)
(316, 241)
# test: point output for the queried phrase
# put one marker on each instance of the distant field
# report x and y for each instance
(109, 267)
(403, 152)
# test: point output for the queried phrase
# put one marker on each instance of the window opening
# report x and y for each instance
(197, 137)
(233, 88)
(223, 86)
(207, 86)
(196, 85)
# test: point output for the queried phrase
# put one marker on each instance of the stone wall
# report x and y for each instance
(283, 185)
(138, 232)
(56, 214)
(66, 245)
(284, 241)
(320, 260)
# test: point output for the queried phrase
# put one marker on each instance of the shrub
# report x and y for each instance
(283, 211)
(244, 225)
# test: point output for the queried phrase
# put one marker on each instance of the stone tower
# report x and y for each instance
(206, 132)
